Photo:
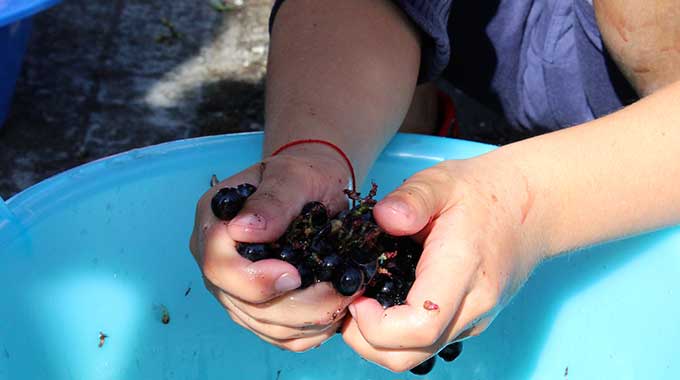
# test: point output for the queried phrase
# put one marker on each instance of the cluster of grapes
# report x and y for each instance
(349, 250)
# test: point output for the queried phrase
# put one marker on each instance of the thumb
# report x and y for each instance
(410, 208)
(286, 186)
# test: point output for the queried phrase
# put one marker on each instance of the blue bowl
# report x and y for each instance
(103, 248)
(15, 30)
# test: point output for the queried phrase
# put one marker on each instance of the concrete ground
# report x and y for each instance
(102, 77)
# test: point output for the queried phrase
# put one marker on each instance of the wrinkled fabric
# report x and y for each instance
(540, 62)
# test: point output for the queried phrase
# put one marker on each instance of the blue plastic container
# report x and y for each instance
(104, 248)
(15, 30)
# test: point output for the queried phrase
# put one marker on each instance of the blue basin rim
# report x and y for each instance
(29, 203)
(16, 10)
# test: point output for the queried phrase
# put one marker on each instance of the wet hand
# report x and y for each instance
(470, 216)
(262, 296)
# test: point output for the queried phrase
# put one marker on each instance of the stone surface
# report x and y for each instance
(101, 77)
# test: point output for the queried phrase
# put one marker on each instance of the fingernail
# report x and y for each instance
(287, 282)
(249, 222)
(397, 206)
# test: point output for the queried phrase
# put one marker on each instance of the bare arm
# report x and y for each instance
(487, 221)
(340, 71)
(644, 39)
(618, 175)
(605, 179)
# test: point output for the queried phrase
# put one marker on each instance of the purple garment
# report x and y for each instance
(539, 62)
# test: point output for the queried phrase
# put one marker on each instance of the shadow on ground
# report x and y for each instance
(102, 77)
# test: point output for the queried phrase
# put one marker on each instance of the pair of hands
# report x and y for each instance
(469, 215)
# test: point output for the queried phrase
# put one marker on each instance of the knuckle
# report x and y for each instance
(415, 190)
(478, 330)
(268, 195)
(472, 332)
(220, 283)
(298, 345)
(282, 333)
(255, 295)
(397, 363)
(258, 315)
(211, 271)
(209, 274)
(236, 319)
(423, 335)
(438, 174)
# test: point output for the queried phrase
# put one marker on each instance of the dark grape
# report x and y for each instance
(367, 217)
(245, 189)
(320, 245)
(451, 352)
(390, 291)
(425, 367)
(342, 215)
(227, 203)
(317, 212)
(389, 286)
(385, 300)
(329, 265)
(289, 255)
(306, 275)
(309, 207)
(369, 270)
(348, 280)
(254, 251)
(364, 256)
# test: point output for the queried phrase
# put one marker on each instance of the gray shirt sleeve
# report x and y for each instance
(431, 17)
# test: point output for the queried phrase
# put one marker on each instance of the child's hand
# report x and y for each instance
(261, 296)
(472, 217)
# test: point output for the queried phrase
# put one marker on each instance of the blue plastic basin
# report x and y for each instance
(103, 248)
(15, 30)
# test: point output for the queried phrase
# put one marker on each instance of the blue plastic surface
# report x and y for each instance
(15, 10)
(15, 29)
(104, 248)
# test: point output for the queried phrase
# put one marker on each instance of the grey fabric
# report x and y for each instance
(540, 62)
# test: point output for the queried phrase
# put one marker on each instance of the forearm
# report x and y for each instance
(342, 71)
(609, 178)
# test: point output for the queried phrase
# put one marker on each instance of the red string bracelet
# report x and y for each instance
(322, 142)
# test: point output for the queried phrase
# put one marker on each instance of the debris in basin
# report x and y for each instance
(102, 339)
(165, 315)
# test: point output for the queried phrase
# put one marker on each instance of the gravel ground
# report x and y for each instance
(102, 77)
